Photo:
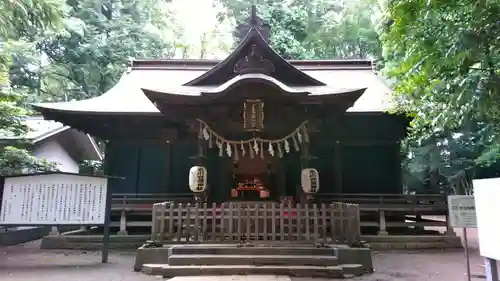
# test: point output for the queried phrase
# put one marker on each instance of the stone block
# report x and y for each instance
(294, 271)
(351, 270)
(152, 269)
(15, 236)
(231, 249)
(362, 256)
(258, 260)
(150, 256)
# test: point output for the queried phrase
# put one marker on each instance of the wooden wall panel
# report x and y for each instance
(122, 161)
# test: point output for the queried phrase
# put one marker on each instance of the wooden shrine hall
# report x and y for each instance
(254, 126)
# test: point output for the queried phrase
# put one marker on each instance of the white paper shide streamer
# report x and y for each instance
(255, 146)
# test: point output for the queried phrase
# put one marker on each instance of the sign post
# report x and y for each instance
(55, 199)
(462, 214)
(106, 230)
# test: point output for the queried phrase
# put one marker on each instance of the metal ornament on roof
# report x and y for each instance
(256, 146)
(253, 22)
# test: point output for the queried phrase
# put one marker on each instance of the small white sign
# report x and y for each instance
(462, 210)
(54, 199)
(486, 195)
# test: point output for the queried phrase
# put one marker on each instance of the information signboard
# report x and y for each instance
(54, 199)
(462, 210)
(487, 196)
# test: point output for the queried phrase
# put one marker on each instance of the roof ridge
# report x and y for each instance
(169, 61)
(181, 64)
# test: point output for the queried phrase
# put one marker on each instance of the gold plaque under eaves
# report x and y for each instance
(253, 115)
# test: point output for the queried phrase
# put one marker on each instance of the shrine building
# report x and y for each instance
(254, 121)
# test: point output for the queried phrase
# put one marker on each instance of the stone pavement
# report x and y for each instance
(29, 263)
(233, 278)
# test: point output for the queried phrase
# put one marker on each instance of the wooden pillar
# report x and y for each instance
(306, 157)
(201, 162)
(123, 223)
(168, 163)
(337, 148)
(337, 166)
(226, 178)
(382, 222)
(199, 159)
(280, 178)
(54, 231)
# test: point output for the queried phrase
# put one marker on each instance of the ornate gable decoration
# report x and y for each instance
(254, 63)
(268, 62)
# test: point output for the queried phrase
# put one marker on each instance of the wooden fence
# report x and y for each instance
(380, 213)
(234, 222)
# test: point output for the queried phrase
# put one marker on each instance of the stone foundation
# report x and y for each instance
(15, 236)
(292, 258)
(132, 242)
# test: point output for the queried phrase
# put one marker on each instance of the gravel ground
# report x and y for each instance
(27, 262)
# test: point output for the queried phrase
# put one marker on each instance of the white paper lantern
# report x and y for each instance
(198, 179)
(309, 179)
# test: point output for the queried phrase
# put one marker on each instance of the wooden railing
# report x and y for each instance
(409, 209)
(377, 210)
(146, 200)
(385, 199)
(140, 204)
(234, 222)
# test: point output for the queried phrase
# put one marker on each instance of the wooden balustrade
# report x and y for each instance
(384, 199)
(376, 210)
(234, 222)
(409, 207)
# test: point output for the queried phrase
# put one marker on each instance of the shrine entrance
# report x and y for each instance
(255, 179)
(255, 166)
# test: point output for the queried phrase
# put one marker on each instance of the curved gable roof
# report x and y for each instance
(254, 55)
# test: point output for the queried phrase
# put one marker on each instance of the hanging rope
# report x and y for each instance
(256, 144)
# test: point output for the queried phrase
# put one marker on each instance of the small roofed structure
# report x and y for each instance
(253, 116)
(57, 143)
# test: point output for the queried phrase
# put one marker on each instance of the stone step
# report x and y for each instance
(351, 270)
(153, 268)
(168, 271)
(248, 251)
(296, 271)
(258, 260)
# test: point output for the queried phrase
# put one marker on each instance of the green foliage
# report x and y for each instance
(17, 161)
(348, 31)
(289, 29)
(445, 58)
(70, 50)
(92, 167)
(316, 29)
(88, 59)
(20, 19)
